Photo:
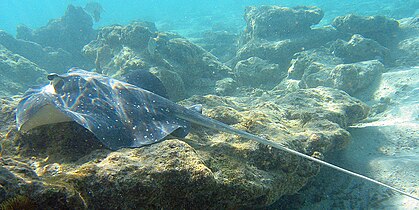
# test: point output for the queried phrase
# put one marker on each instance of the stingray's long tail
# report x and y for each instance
(281, 147)
(211, 123)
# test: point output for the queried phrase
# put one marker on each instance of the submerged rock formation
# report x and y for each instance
(221, 44)
(17, 73)
(271, 22)
(63, 166)
(252, 71)
(120, 49)
(70, 32)
(321, 68)
(407, 50)
(275, 34)
(62, 40)
(207, 169)
(52, 60)
(379, 28)
(359, 48)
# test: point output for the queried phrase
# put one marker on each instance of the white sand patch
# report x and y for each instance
(390, 145)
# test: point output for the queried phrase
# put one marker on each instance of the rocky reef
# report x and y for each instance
(221, 43)
(379, 28)
(252, 71)
(406, 52)
(18, 73)
(48, 58)
(270, 22)
(185, 68)
(272, 35)
(384, 146)
(70, 32)
(320, 67)
(207, 169)
(57, 46)
(284, 78)
(359, 49)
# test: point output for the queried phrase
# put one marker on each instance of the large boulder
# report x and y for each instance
(309, 61)
(171, 81)
(269, 22)
(222, 44)
(191, 62)
(208, 169)
(226, 86)
(256, 72)
(121, 49)
(276, 33)
(52, 60)
(359, 48)
(379, 28)
(355, 77)
(409, 51)
(135, 35)
(282, 50)
(17, 73)
(406, 53)
(321, 68)
(70, 32)
(355, 24)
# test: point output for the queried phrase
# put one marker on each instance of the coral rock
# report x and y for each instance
(379, 28)
(359, 48)
(255, 72)
(18, 73)
(321, 67)
(273, 21)
(53, 60)
(139, 46)
(70, 32)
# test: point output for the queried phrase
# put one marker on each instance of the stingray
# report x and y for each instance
(122, 115)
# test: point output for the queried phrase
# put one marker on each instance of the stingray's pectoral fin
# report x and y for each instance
(45, 115)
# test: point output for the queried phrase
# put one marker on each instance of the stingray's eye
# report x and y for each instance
(56, 81)
(52, 76)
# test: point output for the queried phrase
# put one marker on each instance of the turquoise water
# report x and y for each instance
(186, 14)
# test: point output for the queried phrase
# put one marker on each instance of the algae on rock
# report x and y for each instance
(320, 67)
(207, 169)
(378, 28)
(120, 49)
(18, 73)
